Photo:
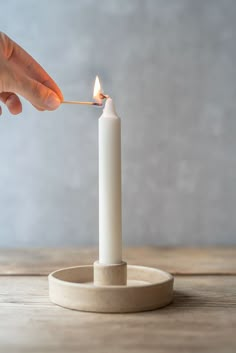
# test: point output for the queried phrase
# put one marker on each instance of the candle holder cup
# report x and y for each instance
(110, 275)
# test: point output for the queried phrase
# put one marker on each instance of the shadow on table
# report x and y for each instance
(184, 301)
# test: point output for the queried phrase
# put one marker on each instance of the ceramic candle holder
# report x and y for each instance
(111, 288)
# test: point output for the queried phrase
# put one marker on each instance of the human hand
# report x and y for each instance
(21, 74)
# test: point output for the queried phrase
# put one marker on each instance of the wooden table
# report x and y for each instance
(202, 317)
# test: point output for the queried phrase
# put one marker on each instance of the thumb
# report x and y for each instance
(37, 93)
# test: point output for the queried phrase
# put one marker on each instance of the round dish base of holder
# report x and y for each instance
(147, 289)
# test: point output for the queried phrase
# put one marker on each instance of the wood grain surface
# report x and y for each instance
(202, 317)
(174, 260)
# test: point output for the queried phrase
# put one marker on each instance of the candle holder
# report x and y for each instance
(114, 288)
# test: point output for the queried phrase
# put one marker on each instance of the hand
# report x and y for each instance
(21, 74)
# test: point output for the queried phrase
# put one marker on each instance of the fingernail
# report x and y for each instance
(53, 101)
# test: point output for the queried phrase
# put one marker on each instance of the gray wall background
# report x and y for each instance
(171, 69)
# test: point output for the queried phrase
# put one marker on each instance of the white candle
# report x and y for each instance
(110, 224)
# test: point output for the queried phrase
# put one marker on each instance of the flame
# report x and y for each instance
(97, 90)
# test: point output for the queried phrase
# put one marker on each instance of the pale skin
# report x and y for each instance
(21, 75)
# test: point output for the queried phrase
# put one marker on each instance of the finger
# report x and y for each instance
(4, 98)
(20, 58)
(12, 102)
